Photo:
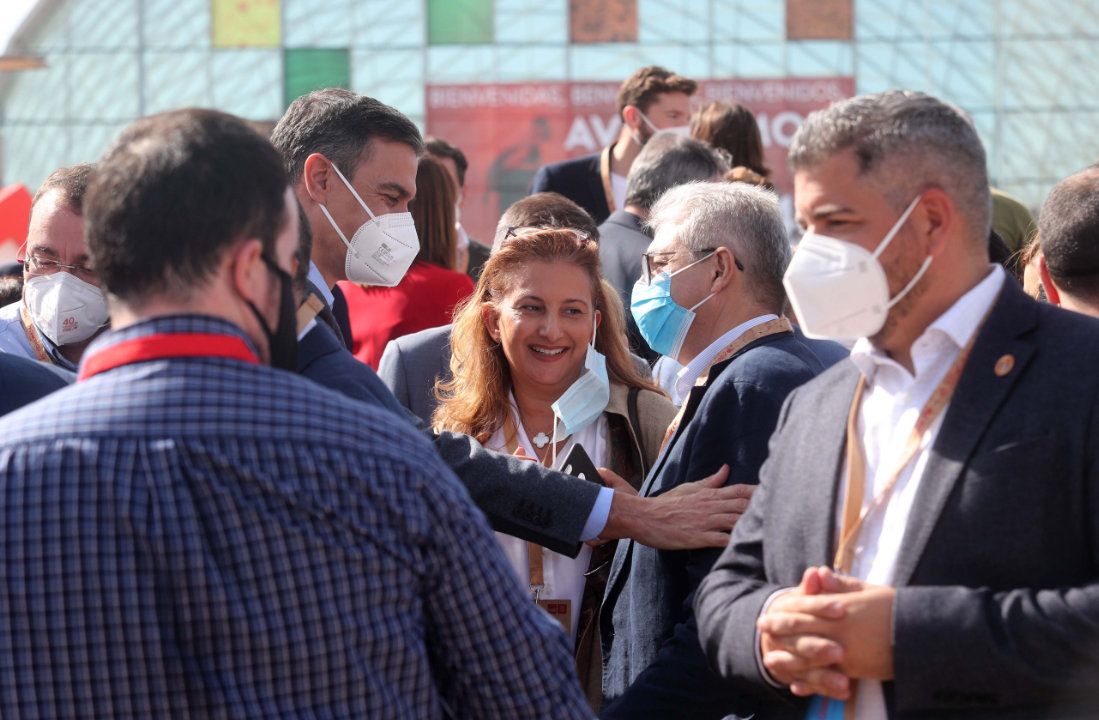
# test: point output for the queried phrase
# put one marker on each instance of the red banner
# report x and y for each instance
(508, 130)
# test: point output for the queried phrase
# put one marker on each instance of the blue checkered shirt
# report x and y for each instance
(204, 537)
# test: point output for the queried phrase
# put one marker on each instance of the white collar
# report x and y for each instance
(686, 377)
(958, 324)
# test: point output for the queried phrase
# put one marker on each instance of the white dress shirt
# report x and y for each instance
(891, 403)
(563, 576)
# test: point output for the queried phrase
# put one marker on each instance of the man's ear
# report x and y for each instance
(1052, 293)
(722, 270)
(938, 216)
(317, 177)
(248, 271)
(631, 116)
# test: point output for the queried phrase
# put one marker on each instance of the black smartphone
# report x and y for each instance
(578, 464)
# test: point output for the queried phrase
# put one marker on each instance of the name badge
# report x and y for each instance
(559, 610)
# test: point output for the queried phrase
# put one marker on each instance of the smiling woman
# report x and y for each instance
(540, 364)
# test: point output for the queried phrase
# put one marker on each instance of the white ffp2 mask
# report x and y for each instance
(839, 290)
(65, 308)
(382, 249)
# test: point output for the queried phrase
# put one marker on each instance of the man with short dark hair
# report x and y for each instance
(650, 100)
(191, 533)
(1068, 229)
(923, 540)
(667, 160)
(62, 307)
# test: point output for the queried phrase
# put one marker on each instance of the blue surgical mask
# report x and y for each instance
(663, 323)
(585, 400)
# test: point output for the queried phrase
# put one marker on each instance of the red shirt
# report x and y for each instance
(425, 298)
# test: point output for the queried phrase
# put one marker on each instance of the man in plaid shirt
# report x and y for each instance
(187, 532)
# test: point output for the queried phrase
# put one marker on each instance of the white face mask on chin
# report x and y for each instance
(65, 308)
(382, 249)
(839, 290)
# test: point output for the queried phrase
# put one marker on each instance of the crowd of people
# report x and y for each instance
(278, 439)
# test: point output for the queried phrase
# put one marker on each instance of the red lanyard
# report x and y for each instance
(173, 345)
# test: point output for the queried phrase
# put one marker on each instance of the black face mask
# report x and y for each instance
(282, 344)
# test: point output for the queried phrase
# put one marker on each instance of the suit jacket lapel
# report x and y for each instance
(827, 458)
(690, 407)
(979, 394)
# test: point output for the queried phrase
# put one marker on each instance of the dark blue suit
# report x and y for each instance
(577, 179)
(22, 381)
(653, 664)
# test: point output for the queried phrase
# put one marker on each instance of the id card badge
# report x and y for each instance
(559, 610)
(822, 708)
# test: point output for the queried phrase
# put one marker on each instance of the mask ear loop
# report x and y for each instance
(355, 194)
(896, 227)
(889, 238)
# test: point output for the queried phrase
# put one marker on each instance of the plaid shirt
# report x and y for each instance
(204, 537)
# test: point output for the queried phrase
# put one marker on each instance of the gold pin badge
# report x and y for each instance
(1004, 365)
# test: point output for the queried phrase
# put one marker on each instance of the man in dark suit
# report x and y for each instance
(650, 100)
(666, 161)
(950, 471)
(723, 249)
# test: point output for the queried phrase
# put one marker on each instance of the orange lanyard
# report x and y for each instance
(32, 337)
(854, 516)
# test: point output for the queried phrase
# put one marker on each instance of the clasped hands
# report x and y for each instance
(829, 630)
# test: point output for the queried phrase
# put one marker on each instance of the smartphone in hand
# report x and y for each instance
(578, 464)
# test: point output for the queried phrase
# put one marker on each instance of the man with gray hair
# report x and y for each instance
(923, 541)
(710, 296)
(666, 160)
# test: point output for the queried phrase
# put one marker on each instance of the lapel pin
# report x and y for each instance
(1004, 365)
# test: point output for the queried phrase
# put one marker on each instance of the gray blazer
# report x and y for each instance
(411, 364)
(997, 605)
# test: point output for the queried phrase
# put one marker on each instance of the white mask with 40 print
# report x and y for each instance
(65, 308)
(839, 290)
(382, 249)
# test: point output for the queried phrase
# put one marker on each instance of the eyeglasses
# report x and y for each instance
(654, 263)
(47, 266)
(515, 231)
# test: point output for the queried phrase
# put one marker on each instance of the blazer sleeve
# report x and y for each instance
(730, 598)
(519, 497)
(392, 372)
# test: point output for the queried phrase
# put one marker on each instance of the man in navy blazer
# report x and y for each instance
(958, 490)
(650, 100)
(725, 249)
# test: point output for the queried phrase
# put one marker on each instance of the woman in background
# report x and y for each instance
(426, 297)
(540, 362)
(733, 128)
